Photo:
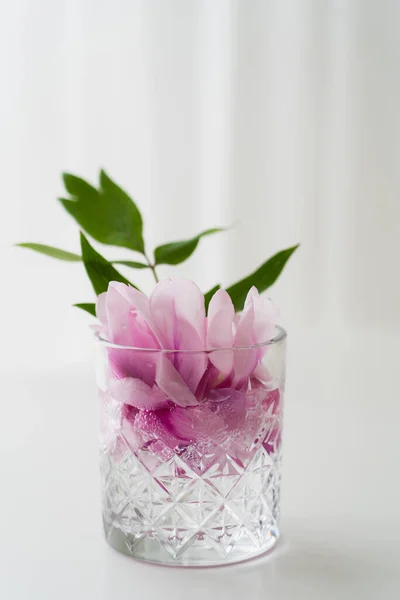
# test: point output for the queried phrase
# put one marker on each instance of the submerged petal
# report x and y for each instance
(151, 425)
(138, 394)
(195, 424)
(230, 406)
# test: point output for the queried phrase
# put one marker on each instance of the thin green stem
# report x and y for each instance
(152, 267)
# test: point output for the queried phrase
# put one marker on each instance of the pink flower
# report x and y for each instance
(201, 353)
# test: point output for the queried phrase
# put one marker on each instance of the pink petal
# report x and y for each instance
(220, 394)
(221, 313)
(138, 394)
(126, 310)
(132, 296)
(266, 315)
(121, 301)
(141, 334)
(255, 326)
(222, 360)
(117, 311)
(171, 383)
(101, 312)
(133, 363)
(244, 329)
(220, 300)
(177, 309)
(174, 301)
(190, 365)
(245, 359)
(219, 330)
(208, 381)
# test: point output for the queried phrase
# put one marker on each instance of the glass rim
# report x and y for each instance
(279, 337)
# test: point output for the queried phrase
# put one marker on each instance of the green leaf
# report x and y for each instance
(108, 214)
(262, 279)
(89, 307)
(176, 252)
(51, 251)
(99, 270)
(208, 295)
(130, 263)
(78, 187)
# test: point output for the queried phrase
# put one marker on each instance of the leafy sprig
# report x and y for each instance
(111, 217)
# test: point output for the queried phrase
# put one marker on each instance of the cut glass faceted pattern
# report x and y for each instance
(166, 511)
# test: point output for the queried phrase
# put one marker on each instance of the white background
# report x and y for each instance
(281, 117)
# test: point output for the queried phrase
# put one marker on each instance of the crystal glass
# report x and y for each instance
(192, 485)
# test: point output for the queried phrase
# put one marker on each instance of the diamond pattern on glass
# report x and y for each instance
(185, 504)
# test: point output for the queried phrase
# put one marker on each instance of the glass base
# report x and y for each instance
(167, 510)
(200, 554)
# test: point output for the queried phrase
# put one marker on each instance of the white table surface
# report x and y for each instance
(341, 491)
